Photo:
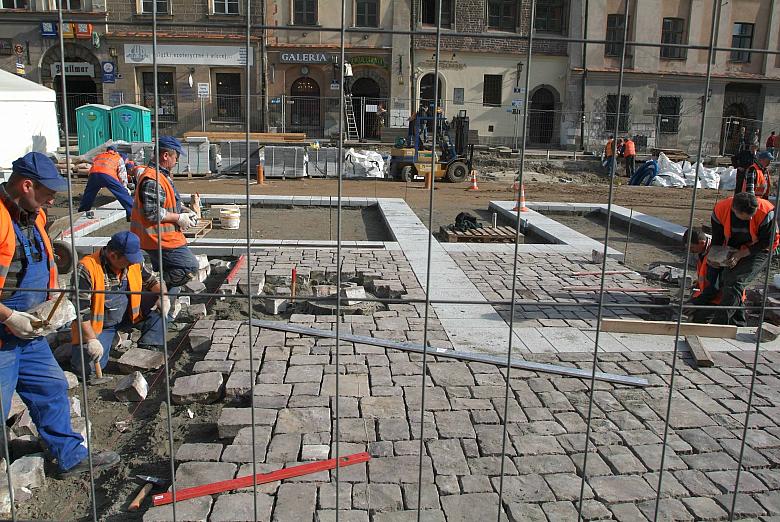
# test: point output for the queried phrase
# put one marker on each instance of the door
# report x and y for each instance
(365, 92)
(541, 117)
(305, 106)
(81, 91)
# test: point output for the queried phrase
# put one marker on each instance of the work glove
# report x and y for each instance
(187, 220)
(163, 305)
(20, 324)
(94, 350)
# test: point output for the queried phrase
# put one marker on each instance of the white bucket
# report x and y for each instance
(230, 218)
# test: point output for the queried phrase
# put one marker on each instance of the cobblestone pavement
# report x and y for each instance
(379, 412)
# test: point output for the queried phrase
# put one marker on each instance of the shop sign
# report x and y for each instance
(368, 60)
(73, 69)
(83, 30)
(108, 72)
(48, 29)
(443, 64)
(307, 57)
(225, 55)
(334, 85)
(203, 90)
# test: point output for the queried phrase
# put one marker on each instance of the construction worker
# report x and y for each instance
(179, 263)
(27, 364)
(115, 267)
(771, 143)
(745, 223)
(347, 78)
(755, 178)
(629, 154)
(108, 171)
(707, 291)
(609, 152)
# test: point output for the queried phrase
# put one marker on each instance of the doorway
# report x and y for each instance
(81, 91)
(541, 117)
(365, 93)
(305, 108)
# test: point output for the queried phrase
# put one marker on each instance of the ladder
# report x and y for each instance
(349, 113)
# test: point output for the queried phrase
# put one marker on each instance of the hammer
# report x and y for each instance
(149, 482)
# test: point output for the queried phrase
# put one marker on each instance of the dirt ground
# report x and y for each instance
(314, 223)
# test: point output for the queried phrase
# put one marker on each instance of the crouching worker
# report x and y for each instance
(115, 268)
(707, 291)
(27, 364)
(747, 224)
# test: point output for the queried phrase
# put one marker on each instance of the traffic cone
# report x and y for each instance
(473, 181)
(522, 206)
(260, 175)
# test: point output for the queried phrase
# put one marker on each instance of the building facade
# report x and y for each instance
(664, 85)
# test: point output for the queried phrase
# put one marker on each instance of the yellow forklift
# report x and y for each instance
(410, 161)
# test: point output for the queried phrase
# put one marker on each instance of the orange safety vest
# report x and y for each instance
(98, 303)
(702, 282)
(107, 163)
(630, 148)
(722, 211)
(170, 234)
(762, 185)
(608, 148)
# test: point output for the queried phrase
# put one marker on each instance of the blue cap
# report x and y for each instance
(40, 168)
(123, 155)
(111, 147)
(128, 244)
(170, 143)
(765, 155)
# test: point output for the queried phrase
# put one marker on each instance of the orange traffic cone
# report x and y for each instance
(522, 206)
(473, 181)
(260, 175)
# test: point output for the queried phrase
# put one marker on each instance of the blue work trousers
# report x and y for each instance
(179, 266)
(29, 368)
(152, 335)
(97, 181)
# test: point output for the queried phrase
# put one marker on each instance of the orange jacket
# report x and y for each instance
(170, 234)
(629, 149)
(722, 211)
(609, 148)
(108, 163)
(762, 186)
(98, 304)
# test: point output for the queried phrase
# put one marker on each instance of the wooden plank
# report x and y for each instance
(668, 328)
(608, 272)
(279, 137)
(699, 352)
(627, 289)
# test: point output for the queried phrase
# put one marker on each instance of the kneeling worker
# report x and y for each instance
(115, 267)
(707, 290)
(108, 171)
(179, 263)
(27, 364)
(746, 223)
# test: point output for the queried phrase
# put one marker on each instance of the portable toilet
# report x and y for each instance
(130, 122)
(93, 122)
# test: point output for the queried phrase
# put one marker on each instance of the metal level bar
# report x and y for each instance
(452, 354)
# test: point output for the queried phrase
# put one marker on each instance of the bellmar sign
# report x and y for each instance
(306, 57)
(227, 55)
(73, 69)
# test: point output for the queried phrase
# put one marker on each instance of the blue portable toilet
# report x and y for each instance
(93, 122)
(130, 122)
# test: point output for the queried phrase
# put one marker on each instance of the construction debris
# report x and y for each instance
(132, 388)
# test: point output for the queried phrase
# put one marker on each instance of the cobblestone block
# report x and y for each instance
(303, 420)
(621, 489)
(192, 510)
(383, 407)
(311, 373)
(241, 506)
(140, 359)
(524, 488)
(295, 502)
(190, 474)
(566, 486)
(199, 342)
(131, 388)
(349, 385)
(223, 367)
(204, 388)
(231, 420)
(470, 507)
(704, 508)
(27, 472)
(448, 458)
(451, 374)
(430, 515)
(454, 424)
(199, 452)
(399, 469)
(376, 498)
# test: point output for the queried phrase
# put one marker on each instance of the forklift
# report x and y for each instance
(411, 160)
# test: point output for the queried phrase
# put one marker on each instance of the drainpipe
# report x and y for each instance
(412, 75)
(584, 75)
(263, 68)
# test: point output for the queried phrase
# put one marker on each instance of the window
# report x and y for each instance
(742, 37)
(673, 32)
(227, 96)
(616, 28)
(491, 90)
(15, 4)
(612, 113)
(6, 47)
(669, 114)
(226, 7)
(502, 15)
(305, 12)
(429, 12)
(166, 92)
(148, 5)
(367, 13)
(551, 16)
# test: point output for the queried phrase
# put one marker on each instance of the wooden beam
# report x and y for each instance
(668, 328)
(699, 352)
(627, 289)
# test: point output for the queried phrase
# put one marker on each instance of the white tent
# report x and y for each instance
(29, 118)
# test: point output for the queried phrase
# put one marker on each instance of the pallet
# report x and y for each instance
(481, 235)
(203, 227)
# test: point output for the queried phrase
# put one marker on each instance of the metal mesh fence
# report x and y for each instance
(480, 436)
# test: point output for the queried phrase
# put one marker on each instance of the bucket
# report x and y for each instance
(230, 218)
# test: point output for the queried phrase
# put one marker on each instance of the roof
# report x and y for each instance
(16, 88)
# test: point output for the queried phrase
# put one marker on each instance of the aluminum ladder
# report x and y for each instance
(349, 113)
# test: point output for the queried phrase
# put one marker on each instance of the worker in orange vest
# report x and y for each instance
(609, 152)
(158, 201)
(747, 224)
(117, 267)
(108, 170)
(756, 178)
(629, 153)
